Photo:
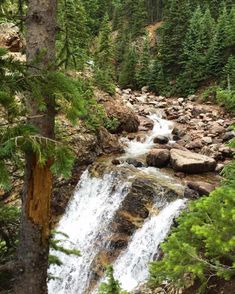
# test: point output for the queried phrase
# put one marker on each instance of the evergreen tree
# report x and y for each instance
(111, 286)
(104, 58)
(218, 56)
(128, 68)
(202, 245)
(172, 35)
(196, 50)
(142, 71)
(73, 38)
(157, 79)
(134, 15)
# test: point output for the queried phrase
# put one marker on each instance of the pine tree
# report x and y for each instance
(134, 15)
(128, 68)
(104, 58)
(73, 38)
(196, 50)
(172, 34)
(157, 79)
(218, 56)
(142, 71)
(202, 245)
(111, 286)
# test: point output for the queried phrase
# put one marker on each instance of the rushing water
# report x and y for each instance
(131, 268)
(85, 223)
(161, 127)
(87, 219)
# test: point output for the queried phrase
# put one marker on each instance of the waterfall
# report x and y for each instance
(85, 222)
(91, 211)
(131, 268)
(161, 127)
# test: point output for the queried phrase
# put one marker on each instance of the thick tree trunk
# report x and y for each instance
(35, 223)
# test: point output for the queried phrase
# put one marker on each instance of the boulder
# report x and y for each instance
(192, 163)
(190, 193)
(145, 123)
(197, 144)
(134, 162)
(158, 158)
(127, 120)
(228, 136)
(161, 140)
(207, 140)
(202, 188)
(109, 143)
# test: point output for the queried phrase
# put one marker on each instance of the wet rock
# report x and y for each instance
(109, 143)
(134, 162)
(161, 140)
(158, 158)
(145, 124)
(177, 134)
(190, 193)
(192, 163)
(202, 188)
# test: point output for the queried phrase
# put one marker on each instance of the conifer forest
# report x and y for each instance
(117, 146)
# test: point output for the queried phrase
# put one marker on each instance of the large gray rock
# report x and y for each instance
(158, 157)
(189, 162)
(202, 188)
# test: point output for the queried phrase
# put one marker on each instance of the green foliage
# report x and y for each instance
(73, 97)
(112, 286)
(227, 98)
(9, 228)
(55, 244)
(142, 71)
(104, 69)
(127, 75)
(203, 244)
(111, 124)
(134, 15)
(73, 39)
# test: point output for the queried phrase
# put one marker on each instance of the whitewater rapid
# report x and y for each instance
(86, 224)
(91, 210)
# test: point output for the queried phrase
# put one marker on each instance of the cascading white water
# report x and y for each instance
(161, 127)
(131, 268)
(85, 222)
(87, 219)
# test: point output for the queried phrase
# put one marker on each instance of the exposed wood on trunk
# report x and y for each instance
(39, 196)
(35, 223)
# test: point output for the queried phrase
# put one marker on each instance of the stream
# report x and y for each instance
(91, 211)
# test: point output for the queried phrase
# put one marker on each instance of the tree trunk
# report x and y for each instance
(35, 222)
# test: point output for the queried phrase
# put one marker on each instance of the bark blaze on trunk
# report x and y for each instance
(38, 198)
(35, 229)
(35, 222)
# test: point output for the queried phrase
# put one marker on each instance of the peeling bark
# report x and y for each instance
(35, 222)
